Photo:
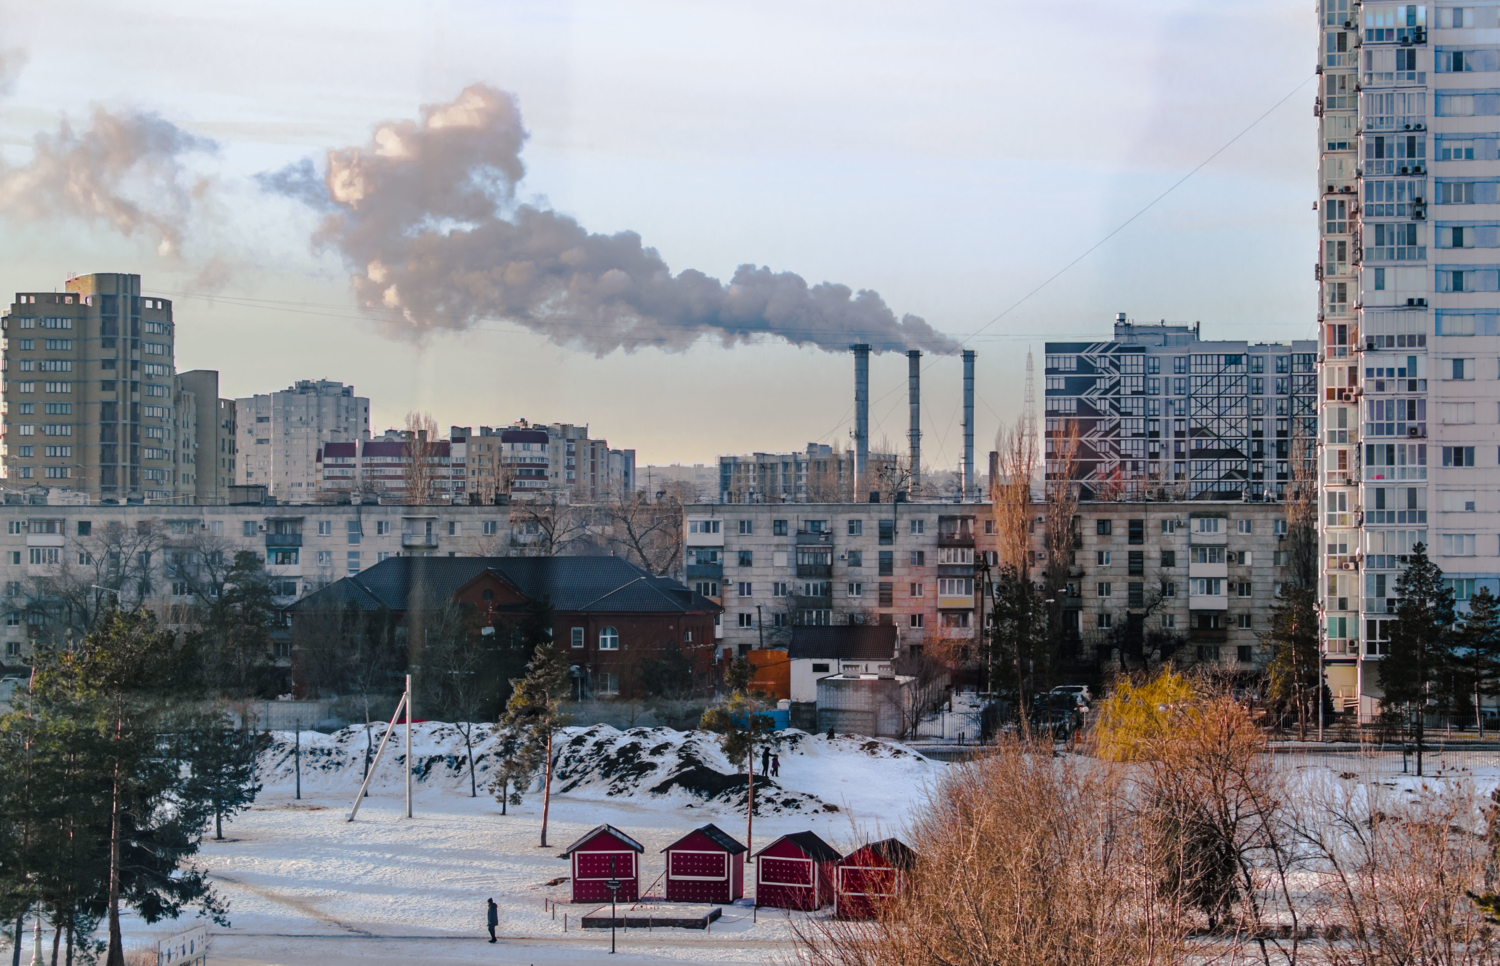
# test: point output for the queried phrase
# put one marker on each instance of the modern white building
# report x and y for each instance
(1409, 268)
(280, 433)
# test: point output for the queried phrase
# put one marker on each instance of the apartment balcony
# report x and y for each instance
(814, 570)
(1208, 635)
(697, 571)
(419, 541)
(806, 602)
(955, 539)
(283, 539)
(822, 538)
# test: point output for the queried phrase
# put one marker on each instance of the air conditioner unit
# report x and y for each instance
(1412, 432)
(1411, 302)
(1408, 127)
(1404, 168)
(1421, 302)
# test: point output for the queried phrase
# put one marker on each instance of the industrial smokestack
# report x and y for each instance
(914, 395)
(971, 485)
(861, 414)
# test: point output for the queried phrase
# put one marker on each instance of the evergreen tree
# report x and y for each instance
(122, 688)
(534, 713)
(738, 721)
(1019, 652)
(1420, 651)
(1476, 650)
(515, 766)
(1293, 673)
(233, 640)
(221, 765)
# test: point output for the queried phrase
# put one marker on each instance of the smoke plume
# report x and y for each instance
(98, 174)
(426, 218)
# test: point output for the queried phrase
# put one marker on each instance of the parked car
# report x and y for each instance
(1079, 692)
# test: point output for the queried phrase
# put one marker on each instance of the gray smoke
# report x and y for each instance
(11, 62)
(124, 170)
(425, 217)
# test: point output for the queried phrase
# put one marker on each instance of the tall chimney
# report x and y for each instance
(914, 397)
(861, 414)
(970, 485)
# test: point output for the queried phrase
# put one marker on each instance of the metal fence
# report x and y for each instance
(1438, 758)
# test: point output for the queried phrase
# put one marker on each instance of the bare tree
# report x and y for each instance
(546, 524)
(419, 463)
(117, 565)
(457, 673)
(646, 528)
(1011, 497)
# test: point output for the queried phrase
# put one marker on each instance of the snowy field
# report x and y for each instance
(307, 887)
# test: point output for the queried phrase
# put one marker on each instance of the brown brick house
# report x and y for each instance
(609, 617)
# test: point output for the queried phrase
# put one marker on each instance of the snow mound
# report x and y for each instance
(601, 763)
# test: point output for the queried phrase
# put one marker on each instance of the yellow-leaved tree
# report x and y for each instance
(1135, 715)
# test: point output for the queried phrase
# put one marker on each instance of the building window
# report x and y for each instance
(918, 526)
(1104, 527)
(747, 558)
(382, 527)
(609, 639)
(248, 528)
(887, 563)
(1242, 589)
(856, 590)
(918, 558)
(1168, 588)
(1242, 621)
(856, 528)
(887, 532)
(1106, 589)
(887, 594)
(918, 590)
(353, 561)
(780, 589)
(325, 528)
(1102, 621)
(747, 526)
(1169, 558)
(1101, 558)
(1458, 456)
(778, 528)
(746, 590)
(1458, 544)
(747, 620)
(915, 621)
(856, 558)
(1245, 526)
(1169, 526)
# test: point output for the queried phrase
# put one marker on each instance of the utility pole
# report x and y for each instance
(760, 627)
(408, 746)
(297, 758)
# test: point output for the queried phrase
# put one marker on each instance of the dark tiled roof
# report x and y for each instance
(625, 839)
(815, 848)
(894, 851)
(718, 836)
(852, 642)
(573, 584)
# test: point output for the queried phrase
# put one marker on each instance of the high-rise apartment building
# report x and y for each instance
(1409, 127)
(211, 453)
(1157, 412)
(818, 475)
(280, 434)
(91, 401)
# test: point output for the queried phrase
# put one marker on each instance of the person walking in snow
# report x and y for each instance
(765, 760)
(491, 917)
(775, 766)
(830, 732)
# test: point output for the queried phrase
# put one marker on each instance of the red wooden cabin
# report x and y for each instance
(705, 865)
(591, 857)
(795, 872)
(869, 876)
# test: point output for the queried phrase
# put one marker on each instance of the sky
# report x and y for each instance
(951, 157)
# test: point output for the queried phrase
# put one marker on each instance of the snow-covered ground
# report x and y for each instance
(307, 887)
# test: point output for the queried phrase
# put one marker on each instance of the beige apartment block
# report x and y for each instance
(45, 550)
(1196, 580)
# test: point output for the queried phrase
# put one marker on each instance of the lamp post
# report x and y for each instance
(982, 574)
(613, 885)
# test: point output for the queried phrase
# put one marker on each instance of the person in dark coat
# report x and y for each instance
(765, 761)
(491, 917)
(775, 766)
(830, 732)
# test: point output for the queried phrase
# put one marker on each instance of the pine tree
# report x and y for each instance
(737, 720)
(121, 687)
(515, 766)
(533, 711)
(1476, 652)
(1420, 652)
(221, 764)
(1293, 640)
